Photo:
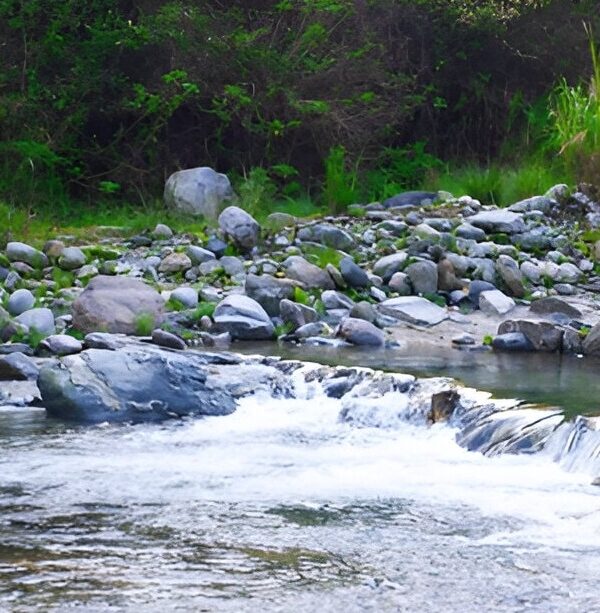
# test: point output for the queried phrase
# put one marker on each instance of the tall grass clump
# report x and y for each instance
(575, 121)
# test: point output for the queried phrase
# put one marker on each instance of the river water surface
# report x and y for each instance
(281, 507)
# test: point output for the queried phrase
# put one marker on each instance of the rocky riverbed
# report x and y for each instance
(420, 268)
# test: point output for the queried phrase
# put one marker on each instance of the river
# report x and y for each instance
(282, 507)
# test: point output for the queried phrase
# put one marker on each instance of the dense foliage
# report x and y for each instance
(110, 96)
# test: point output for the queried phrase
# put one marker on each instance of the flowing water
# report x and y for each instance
(283, 507)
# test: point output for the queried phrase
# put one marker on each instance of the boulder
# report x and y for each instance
(414, 310)
(163, 338)
(386, 266)
(353, 274)
(130, 385)
(512, 341)
(361, 332)
(269, 291)
(40, 321)
(71, 258)
(591, 343)
(198, 191)
(509, 272)
(116, 304)
(494, 302)
(551, 305)
(400, 283)
(20, 301)
(308, 274)
(187, 297)
(20, 252)
(17, 367)
(543, 335)
(199, 255)
(423, 277)
(240, 226)
(244, 318)
(498, 220)
(175, 262)
(60, 344)
(476, 287)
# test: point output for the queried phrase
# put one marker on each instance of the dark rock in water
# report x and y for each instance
(130, 385)
(17, 367)
(512, 341)
(415, 198)
(543, 335)
(443, 405)
(361, 332)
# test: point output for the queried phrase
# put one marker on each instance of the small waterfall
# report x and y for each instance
(375, 399)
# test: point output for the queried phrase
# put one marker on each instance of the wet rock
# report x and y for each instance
(308, 274)
(20, 301)
(443, 405)
(353, 274)
(20, 252)
(494, 302)
(361, 332)
(414, 310)
(512, 341)
(423, 277)
(591, 343)
(18, 367)
(316, 328)
(146, 385)
(198, 191)
(243, 318)
(240, 226)
(116, 304)
(543, 335)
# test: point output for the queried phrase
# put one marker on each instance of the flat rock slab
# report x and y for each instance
(414, 310)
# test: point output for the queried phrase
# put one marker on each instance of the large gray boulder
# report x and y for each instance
(423, 277)
(510, 274)
(386, 266)
(117, 304)
(543, 335)
(130, 385)
(198, 191)
(243, 318)
(20, 301)
(240, 226)
(40, 321)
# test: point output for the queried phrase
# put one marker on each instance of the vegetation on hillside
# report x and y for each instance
(298, 100)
